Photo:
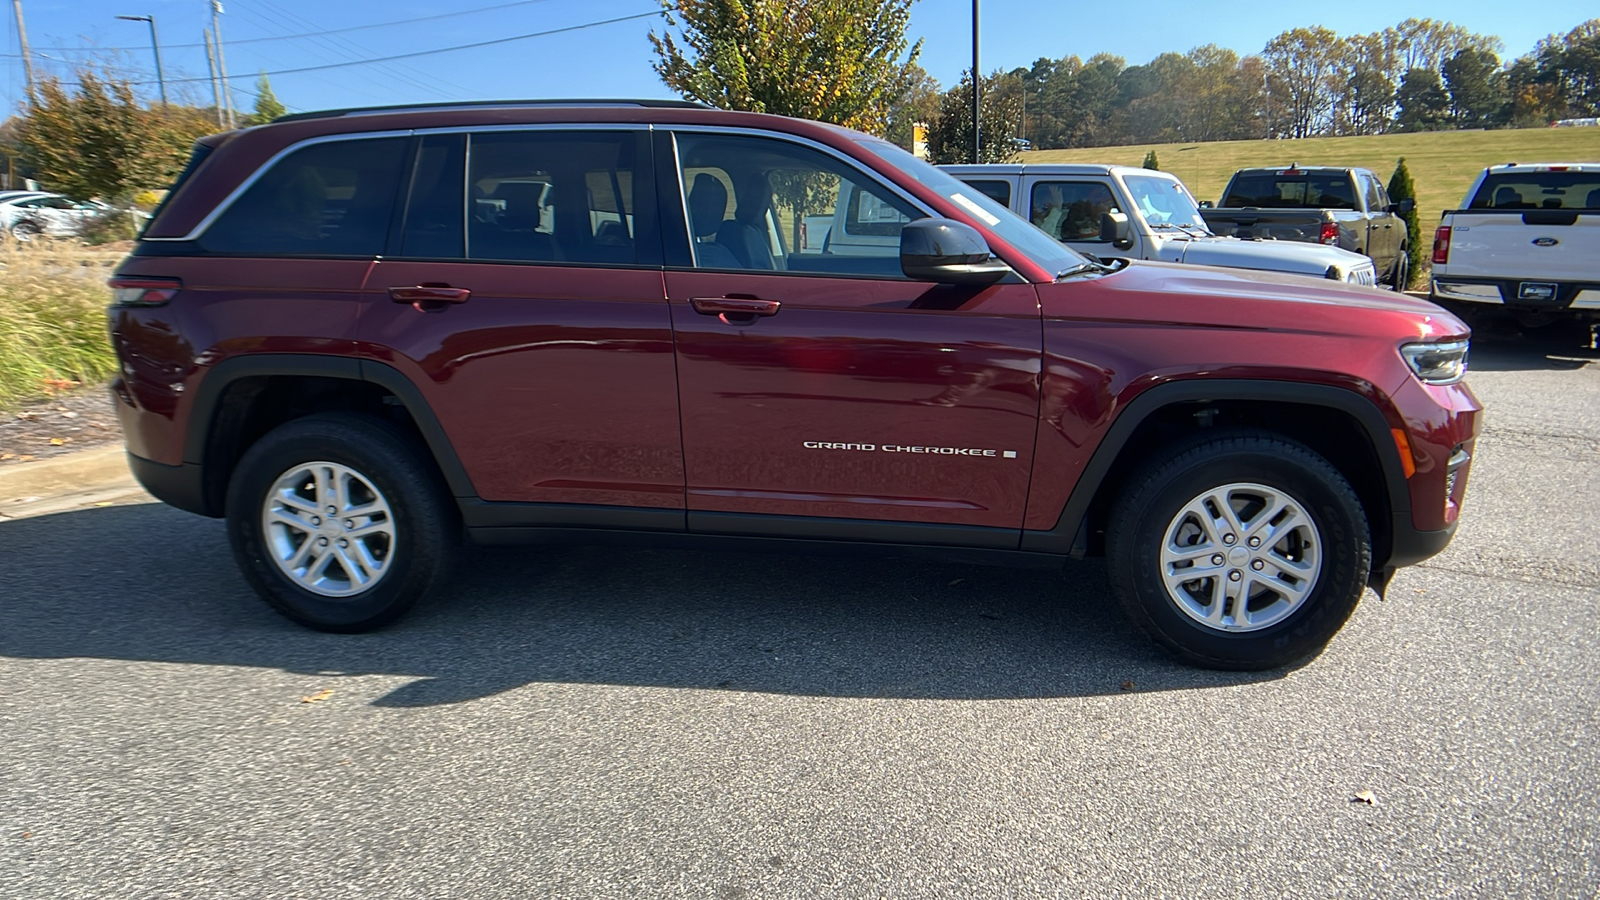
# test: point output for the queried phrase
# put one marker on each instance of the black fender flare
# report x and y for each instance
(1064, 536)
(214, 386)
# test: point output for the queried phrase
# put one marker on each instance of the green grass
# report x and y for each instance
(1443, 163)
(52, 320)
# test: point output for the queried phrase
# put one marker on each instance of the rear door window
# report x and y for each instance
(328, 199)
(998, 191)
(558, 197)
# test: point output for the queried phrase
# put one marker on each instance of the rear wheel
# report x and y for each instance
(339, 523)
(1239, 551)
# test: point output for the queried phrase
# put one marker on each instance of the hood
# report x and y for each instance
(1175, 294)
(1272, 256)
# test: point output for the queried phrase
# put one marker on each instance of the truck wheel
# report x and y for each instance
(339, 522)
(1401, 277)
(1240, 550)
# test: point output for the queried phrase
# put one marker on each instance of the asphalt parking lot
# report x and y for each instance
(596, 723)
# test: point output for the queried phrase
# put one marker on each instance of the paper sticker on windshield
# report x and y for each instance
(972, 207)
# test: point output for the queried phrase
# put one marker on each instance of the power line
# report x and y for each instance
(382, 59)
(287, 37)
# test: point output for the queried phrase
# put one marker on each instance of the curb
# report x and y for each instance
(87, 477)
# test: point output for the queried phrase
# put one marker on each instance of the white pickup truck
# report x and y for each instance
(1526, 240)
(1133, 213)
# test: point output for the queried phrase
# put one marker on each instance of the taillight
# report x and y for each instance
(1330, 233)
(143, 291)
(1441, 246)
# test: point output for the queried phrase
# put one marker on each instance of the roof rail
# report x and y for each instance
(485, 104)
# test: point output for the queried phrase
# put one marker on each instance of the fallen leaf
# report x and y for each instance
(318, 697)
(59, 442)
(957, 581)
(26, 457)
(103, 503)
(1367, 797)
(26, 835)
(1128, 686)
(8, 456)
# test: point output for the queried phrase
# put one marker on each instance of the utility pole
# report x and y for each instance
(27, 56)
(216, 87)
(975, 85)
(222, 63)
(155, 45)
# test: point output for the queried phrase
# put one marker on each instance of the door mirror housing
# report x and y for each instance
(1402, 207)
(948, 252)
(1207, 204)
(1114, 229)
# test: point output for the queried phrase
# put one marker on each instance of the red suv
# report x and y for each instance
(355, 333)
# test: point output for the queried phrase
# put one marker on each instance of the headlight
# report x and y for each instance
(1440, 363)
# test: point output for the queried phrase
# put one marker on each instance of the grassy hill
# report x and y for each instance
(1443, 164)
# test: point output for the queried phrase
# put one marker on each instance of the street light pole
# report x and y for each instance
(975, 128)
(155, 45)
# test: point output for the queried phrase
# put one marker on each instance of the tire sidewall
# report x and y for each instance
(1333, 509)
(379, 454)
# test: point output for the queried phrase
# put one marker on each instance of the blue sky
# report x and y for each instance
(613, 60)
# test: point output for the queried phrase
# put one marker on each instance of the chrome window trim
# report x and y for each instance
(851, 162)
(264, 168)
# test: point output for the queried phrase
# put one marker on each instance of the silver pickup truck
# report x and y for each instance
(1127, 212)
(1526, 240)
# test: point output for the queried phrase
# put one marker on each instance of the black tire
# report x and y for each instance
(1400, 277)
(1162, 489)
(419, 514)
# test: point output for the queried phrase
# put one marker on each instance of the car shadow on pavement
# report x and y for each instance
(1545, 349)
(149, 583)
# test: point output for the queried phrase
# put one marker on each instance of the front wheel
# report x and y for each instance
(26, 231)
(1241, 550)
(339, 522)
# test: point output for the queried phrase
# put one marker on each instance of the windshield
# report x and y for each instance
(1013, 229)
(1163, 201)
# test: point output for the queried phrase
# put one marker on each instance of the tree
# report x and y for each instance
(1476, 98)
(1424, 106)
(1303, 63)
(1150, 161)
(1401, 187)
(950, 141)
(839, 61)
(267, 105)
(99, 142)
(918, 106)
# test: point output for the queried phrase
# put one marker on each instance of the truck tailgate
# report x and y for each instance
(1263, 225)
(1547, 244)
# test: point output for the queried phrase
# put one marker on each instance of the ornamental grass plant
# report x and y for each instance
(53, 335)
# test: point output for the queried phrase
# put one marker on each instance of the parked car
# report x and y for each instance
(1339, 207)
(320, 344)
(1527, 240)
(1135, 213)
(27, 215)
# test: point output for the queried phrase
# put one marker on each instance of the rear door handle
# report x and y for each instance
(739, 306)
(429, 293)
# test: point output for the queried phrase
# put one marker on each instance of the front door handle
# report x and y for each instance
(429, 293)
(740, 306)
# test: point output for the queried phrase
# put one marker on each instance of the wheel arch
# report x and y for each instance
(242, 397)
(1340, 424)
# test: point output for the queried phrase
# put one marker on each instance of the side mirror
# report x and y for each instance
(1207, 204)
(948, 252)
(1403, 207)
(1114, 229)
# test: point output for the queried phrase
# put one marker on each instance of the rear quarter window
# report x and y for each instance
(329, 199)
(1270, 190)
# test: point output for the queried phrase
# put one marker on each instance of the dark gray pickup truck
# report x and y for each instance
(1345, 208)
